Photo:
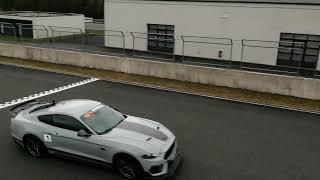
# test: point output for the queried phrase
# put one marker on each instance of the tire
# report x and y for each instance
(34, 147)
(128, 167)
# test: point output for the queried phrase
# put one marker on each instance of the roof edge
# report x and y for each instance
(242, 2)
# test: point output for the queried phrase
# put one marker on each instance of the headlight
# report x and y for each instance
(150, 156)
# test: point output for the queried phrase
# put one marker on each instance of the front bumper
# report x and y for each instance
(172, 167)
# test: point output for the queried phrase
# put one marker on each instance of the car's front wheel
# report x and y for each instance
(128, 167)
(34, 147)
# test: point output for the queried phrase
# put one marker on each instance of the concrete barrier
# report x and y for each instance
(276, 84)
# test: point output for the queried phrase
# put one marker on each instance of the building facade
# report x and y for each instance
(221, 29)
(37, 25)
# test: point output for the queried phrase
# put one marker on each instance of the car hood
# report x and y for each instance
(145, 134)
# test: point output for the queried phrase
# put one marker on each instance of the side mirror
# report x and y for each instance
(83, 133)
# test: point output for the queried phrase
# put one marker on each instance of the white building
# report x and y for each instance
(38, 25)
(293, 21)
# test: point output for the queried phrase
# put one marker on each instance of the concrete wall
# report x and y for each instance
(277, 84)
(227, 20)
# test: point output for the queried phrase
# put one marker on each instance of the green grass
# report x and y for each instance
(8, 38)
(19, 39)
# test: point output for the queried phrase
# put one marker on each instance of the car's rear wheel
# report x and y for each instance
(128, 167)
(34, 147)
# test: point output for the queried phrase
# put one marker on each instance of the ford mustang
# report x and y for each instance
(88, 129)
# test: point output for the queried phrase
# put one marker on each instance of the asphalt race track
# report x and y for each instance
(220, 140)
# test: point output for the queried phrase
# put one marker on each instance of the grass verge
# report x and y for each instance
(210, 90)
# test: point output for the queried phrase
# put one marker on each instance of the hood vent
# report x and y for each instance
(140, 128)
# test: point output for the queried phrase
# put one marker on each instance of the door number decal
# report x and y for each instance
(47, 138)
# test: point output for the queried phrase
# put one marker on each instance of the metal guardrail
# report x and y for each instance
(4, 26)
(35, 37)
(84, 40)
(105, 34)
(298, 69)
(88, 40)
(73, 37)
(210, 40)
(139, 35)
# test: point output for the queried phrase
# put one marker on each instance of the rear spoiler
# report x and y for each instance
(22, 106)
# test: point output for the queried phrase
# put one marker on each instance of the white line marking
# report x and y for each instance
(46, 93)
(170, 89)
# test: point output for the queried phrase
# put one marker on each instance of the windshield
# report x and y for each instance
(102, 119)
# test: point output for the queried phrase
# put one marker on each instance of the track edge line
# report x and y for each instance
(165, 89)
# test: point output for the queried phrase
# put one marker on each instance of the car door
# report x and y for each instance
(64, 137)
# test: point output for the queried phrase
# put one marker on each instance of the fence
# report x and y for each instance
(208, 45)
(8, 32)
(280, 57)
(33, 34)
(67, 37)
(255, 54)
(88, 40)
(153, 45)
(99, 40)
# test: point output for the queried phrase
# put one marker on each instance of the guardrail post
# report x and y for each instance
(52, 36)
(123, 42)
(82, 39)
(182, 48)
(15, 34)
(231, 52)
(47, 35)
(20, 33)
(174, 47)
(133, 48)
(242, 52)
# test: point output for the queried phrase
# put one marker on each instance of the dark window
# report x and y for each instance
(161, 38)
(298, 50)
(46, 119)
(67, 122)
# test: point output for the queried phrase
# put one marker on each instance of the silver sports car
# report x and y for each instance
(87, 129)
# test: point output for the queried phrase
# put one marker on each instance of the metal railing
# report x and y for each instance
(255, 54)
(200, 40)
(144, 49)
(276, 46)
(98, 40)
(31, 34)
(8, 32)
(67, 37)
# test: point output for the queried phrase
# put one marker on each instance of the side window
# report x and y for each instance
(67, 122)
(47, 119)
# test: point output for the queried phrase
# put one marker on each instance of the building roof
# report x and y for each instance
(34, 14)
(299, 2)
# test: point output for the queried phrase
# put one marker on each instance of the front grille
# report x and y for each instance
(169, 150)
